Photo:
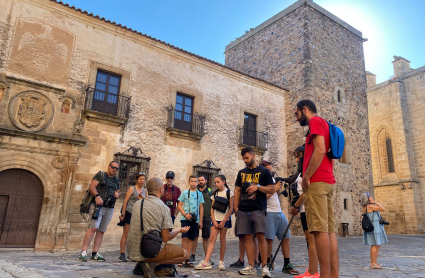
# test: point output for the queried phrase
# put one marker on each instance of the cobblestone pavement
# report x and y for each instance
(403, 256)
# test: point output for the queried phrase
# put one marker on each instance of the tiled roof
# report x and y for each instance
(162, 42)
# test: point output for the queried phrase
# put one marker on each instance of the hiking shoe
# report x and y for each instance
(122, 258)
(266, 272)
(221, 266)
(83, 256)
(290, 269)
(249, 270)
(98, 258)
(203, 266)
(192, 258)
(239, 264)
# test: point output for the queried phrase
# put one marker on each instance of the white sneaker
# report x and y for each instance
(202, 265)
(249, 270)
(266, 272)
(221, 266)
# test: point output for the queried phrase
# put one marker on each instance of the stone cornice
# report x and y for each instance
(34, 84)
(399, 78)
(43, 137)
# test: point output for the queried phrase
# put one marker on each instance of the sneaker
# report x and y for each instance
(239, 264)
(249, 270)
(122, 258)
(192, 259)
(257, 265)
(211, 263)
(306, 274)
(98, 258)
(138, 270)
(290, 269)
(221, 266)
(203, 266)
(83, 256)
(266, 272)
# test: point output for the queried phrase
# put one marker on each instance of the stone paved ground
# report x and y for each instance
(403, 256)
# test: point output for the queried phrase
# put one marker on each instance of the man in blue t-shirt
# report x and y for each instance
(253, 183)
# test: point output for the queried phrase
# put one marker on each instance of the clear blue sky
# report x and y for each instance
(393, 27)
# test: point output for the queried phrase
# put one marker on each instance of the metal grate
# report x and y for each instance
(184, 121)
(390, 155)
(117, 105)
(253, 138)
(209, 170)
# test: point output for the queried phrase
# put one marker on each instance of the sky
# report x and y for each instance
(392, 27)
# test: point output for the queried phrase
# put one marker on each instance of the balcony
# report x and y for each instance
(104, 106)
(185, 125)
(254, 139)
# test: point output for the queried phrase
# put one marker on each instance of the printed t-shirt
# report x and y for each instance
(258, 200)
(207, 201)
(169, 195)
(324, 173)
(191, 205)
(107, 185)
(218, 215)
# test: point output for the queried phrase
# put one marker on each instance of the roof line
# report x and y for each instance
(164, 43)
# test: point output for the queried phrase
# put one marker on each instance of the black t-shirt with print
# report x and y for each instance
(257, 201)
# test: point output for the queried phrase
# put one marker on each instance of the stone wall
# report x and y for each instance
(316, 56)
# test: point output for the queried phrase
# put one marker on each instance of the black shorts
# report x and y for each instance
(304, 221)
(206, 227)
(193, 231)
(250, 223)
(127, 217)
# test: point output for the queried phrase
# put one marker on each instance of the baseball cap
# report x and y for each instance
(170, 174)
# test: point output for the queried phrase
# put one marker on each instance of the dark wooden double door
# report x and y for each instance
(21, 197)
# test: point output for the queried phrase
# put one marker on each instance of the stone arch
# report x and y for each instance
(53, 192)
(3, 90)
(381, 153)
(339, 95)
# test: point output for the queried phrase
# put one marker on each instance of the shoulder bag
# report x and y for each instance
(221, 204)
(151, 241)
(367, 225)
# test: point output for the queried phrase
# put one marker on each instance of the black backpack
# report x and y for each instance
(367, 225)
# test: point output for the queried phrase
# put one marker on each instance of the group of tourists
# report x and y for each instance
(154, 206)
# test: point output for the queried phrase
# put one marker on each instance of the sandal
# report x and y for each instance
(376, 266)
(188, 264)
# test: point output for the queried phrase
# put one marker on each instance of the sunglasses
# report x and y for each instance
(169, 178)
(114, 168)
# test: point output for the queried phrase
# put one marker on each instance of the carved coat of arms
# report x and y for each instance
(32, 110)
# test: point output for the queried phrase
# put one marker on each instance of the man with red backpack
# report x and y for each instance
(318, 185)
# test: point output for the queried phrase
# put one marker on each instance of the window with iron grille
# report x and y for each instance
(209, 170)
(132, 162)
(390, 155)
(106, 93)
(250, 130)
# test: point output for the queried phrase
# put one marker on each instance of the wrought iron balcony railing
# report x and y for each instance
(253, 138)
(108, 103)
(180, 120)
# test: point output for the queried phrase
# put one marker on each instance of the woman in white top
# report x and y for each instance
(220, 221)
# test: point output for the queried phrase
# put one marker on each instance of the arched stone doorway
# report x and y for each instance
(21, 198)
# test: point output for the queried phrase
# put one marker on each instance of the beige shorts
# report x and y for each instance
(169, 252)
(319, 207)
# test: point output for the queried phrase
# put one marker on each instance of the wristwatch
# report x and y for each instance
(258, 185)
(296, 207)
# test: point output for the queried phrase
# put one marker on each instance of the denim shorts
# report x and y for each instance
(276, 224)
(102, 222)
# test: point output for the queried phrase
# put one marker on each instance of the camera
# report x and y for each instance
(111, 202)
(383, 222)
(169, 203)
(96, 212)
(245, 186)
(194, 216)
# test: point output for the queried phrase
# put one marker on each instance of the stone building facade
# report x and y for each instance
(398, 146)
(77, 91)
(319, 57)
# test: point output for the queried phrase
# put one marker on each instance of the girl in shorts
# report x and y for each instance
(220, 222)
(313, 261)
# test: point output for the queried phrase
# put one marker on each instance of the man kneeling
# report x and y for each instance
(156, 216)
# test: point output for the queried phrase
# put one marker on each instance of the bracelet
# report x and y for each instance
(296, 207)
(97, 195)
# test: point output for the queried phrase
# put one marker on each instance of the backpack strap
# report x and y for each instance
(228, 194)
(141, 215)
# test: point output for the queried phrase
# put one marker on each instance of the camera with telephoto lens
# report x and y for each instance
(96, 212)
(194, 216)
(169, 203)
(245, 186)
(383, 222)
(111, 202)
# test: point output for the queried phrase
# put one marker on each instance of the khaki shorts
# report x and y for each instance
(169, 252)
(319, 207)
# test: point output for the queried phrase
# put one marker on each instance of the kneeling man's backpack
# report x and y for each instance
(151, 241)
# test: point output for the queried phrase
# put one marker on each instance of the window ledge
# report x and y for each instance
(96, 116)
(184, 134)
(257, 150)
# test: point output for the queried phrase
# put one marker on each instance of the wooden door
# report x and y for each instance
(21, 197)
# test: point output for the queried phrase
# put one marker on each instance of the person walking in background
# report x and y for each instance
(378, 236)
(191, 207)
(134, 194)
(220, 213)
(318, 185)
(172, 194)
(313, 261)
